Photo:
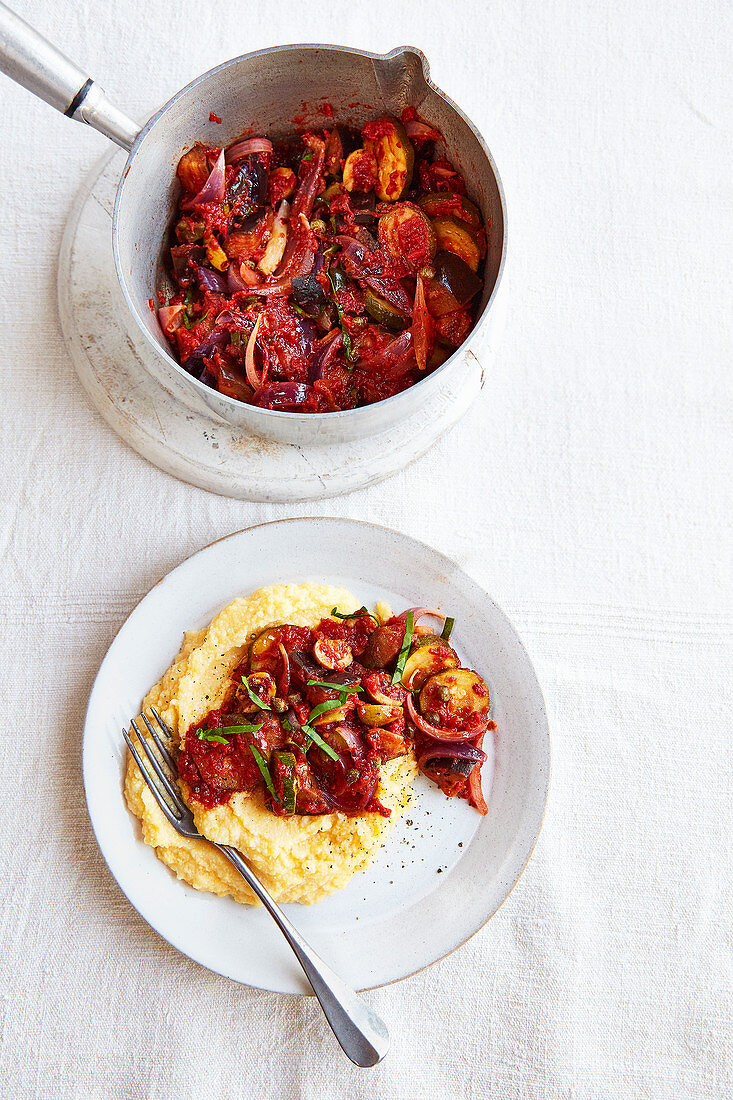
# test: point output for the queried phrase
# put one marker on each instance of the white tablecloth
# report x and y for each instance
(588, 490)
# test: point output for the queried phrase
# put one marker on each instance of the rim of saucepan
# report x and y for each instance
(276, 414)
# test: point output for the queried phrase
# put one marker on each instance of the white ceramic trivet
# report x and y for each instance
(195, 446)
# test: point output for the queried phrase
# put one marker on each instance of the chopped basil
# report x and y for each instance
(315, 736)
(216, 734)
(336, 614)
(346, 343)
(257, 702)
(337, 279)
(187, 301)
(342, 689)
(449, 624)
(404, 648)
(286, 760)
(262, 765)
(324, 708)
(290, 793)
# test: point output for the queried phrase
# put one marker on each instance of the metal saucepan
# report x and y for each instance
(261, 92)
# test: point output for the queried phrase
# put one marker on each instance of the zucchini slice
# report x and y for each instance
(457, 693)
(425, 662)
(395, 157)
(447, 202)
(361, 170)
(405, 233)
(455, 236)
(383, 313)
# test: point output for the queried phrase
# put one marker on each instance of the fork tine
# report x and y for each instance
(171, 790)
(163, 725)
(152, 786)
(161, 747)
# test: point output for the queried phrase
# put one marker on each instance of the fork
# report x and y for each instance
(361, 1033)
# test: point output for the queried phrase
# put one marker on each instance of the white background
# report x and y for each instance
(588, 490)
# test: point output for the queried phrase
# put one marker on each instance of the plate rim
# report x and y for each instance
(449, 562)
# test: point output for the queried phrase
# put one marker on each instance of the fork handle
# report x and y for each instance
(361, 1033)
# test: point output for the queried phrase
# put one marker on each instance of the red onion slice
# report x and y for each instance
(284, 679)
(167, 315)
(213, 190)
(245, 148)
(271, 291)
(420, 131)
(282, 395)
(436, 732)
(236, 282)
(391, 290)
(353, 251)
(477, 795)
(327, 349)
(351, 805)
(249, 358)
(461, 751)
(417, 613)
(306, 194)
(422, 327)
(350, 737)
(393, 354)
(212, 280)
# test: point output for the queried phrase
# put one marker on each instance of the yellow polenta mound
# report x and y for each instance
(298, 858)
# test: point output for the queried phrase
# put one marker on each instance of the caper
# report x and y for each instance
(279, 705)
(444, 694)
(318, 225)
(427, 272)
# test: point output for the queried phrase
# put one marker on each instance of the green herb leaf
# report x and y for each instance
(449, 624)
(337, 279)
(262, 765)
(347, 345)
(210, 735)
(187, 301)
(342, 689)
(404, 648)
(244, 728)
(308, 155)
(324, 708)
(253, 698)
(290, 793)
(316, 737)
(336, 614)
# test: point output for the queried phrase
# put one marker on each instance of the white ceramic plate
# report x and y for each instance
(444, 869)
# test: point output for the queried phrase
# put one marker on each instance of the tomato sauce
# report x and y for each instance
(289, 233)
(310, 715)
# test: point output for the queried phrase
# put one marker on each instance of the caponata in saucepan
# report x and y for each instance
(322, 271)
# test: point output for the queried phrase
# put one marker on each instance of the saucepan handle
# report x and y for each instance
(28, 59)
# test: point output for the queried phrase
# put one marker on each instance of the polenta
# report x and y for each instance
(301, 857)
